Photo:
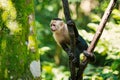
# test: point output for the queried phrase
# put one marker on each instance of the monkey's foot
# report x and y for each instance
(90, 56)
(76, 62)
(71, 56)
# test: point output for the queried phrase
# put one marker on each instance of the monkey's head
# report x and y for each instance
(56, 24)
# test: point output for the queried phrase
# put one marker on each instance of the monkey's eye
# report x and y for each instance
(52, 24)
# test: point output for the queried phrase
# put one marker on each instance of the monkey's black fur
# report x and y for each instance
(57, 19)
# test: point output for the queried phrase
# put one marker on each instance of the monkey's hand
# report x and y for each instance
(75, 60)
(70, 23)
(90, 56)
(70, 54)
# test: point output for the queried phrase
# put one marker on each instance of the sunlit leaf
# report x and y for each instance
(35, 68)
(116, 14)
(95, 18)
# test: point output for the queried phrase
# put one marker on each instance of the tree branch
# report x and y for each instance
(66, 10)
(99, 31)
(72, 37)
(101, 25)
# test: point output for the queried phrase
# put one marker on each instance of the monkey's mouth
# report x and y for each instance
(53, 30)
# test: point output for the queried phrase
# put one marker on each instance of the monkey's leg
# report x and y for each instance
(76, 60)
(67, 50)
(71, 57)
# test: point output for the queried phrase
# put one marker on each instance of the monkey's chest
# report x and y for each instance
(62, 38)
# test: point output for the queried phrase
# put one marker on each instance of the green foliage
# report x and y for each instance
(74, 0)
(116, 16)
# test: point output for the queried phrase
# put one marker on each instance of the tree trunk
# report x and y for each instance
(17, 39)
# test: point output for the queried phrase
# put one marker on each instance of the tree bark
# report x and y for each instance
(15, 55)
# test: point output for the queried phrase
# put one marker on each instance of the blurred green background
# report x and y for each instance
(25, 36)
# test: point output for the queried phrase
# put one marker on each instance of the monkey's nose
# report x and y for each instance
(53, 28)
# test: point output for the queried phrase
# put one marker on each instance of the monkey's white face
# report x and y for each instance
(56, 25)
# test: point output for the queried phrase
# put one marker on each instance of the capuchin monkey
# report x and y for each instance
(61, 36)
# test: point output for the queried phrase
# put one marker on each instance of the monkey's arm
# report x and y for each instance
(67, 49)
(71, 22)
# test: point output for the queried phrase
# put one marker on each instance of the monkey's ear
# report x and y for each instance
(62, 24)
